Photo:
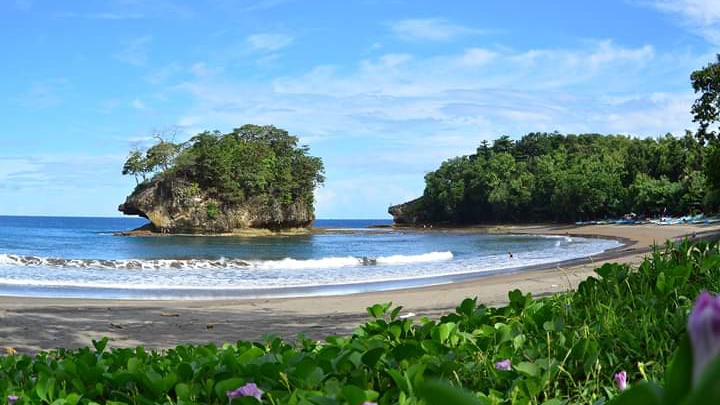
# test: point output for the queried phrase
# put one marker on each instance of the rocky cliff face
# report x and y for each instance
(408, 213)
(175, 206)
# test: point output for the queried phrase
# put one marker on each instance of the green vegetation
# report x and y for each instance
(561, 349)
(550, 176)
(556, 177)
(213, 211)
(249, 162)
(706, 112)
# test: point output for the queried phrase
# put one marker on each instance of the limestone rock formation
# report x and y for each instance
(179, 207)
(409, 213)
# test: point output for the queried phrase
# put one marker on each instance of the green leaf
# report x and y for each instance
(44, 387)
(678, 377)
(606, 270)
(516, 297)
(528, 369)
(182, 391)
(400, 381)
(378, 310)
(222, 387)
(707, 390)
(444, 331)
(72, 399)
(467, 307)
(353, 394)
(660, 283)
(710, 262)
(134, 364)
(395, 312)
(642, 393)
(100, 345)
(371, 357)
(441, 393)
(250, 355)
(554, 401)
(184, 371)
(320, 401)
(304, 367)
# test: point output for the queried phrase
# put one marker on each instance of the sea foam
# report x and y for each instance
(222, 263)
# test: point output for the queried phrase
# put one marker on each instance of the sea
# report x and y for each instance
(66, 257)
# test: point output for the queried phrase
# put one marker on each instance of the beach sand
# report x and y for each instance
(32, 324)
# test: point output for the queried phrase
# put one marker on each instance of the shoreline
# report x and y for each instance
(160, 324)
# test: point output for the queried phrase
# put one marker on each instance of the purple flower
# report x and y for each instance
(621, 380)
(247, 390)
(12, 398)
(704, 330)
(505, 365)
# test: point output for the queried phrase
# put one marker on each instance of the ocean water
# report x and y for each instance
(80, 257)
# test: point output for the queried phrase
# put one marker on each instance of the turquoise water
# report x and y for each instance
(79, 257)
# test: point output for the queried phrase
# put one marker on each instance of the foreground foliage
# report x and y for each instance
(560, 349)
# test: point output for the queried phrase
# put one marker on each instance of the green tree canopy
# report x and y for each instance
(250, 161)
(555, 177)
(706, 109)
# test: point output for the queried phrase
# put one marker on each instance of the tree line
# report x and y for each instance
(556, 177)
(551, 176)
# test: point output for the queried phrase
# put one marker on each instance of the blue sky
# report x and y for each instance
(383, 91)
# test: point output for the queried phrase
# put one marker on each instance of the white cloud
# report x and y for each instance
(120, 10)
(402, 75)
(700, 16)
(400, 115)
(430, 29)
(268, 42)
(163, 74)
(263, 4)
(54, 172)
(23, 5)
(475, 57)
(103, 15)
(135, 51)
(109, 105)
(138, 104)
(706, 12)
(12, 167)
(62, 180)
(333, 200)
(45, 93)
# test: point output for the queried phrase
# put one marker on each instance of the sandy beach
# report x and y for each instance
(32, 324)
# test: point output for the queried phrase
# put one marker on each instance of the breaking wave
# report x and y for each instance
(222, 263)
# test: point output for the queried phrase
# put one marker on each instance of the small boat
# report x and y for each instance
(626, 221)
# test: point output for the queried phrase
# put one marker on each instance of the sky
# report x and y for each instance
(382, 90)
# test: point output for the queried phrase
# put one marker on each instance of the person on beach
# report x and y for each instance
(510, 255)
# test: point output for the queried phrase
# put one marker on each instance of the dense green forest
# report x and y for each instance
(556, 177)
(551, 176)
(250, 161)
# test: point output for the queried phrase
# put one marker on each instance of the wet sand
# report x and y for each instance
(32, 324)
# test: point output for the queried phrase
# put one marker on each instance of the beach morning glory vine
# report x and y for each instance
(505, 365)
(621, 380)
(247, 390)
(704, 331)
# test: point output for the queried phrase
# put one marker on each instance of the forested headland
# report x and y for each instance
(551, 176)
(567, 177)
